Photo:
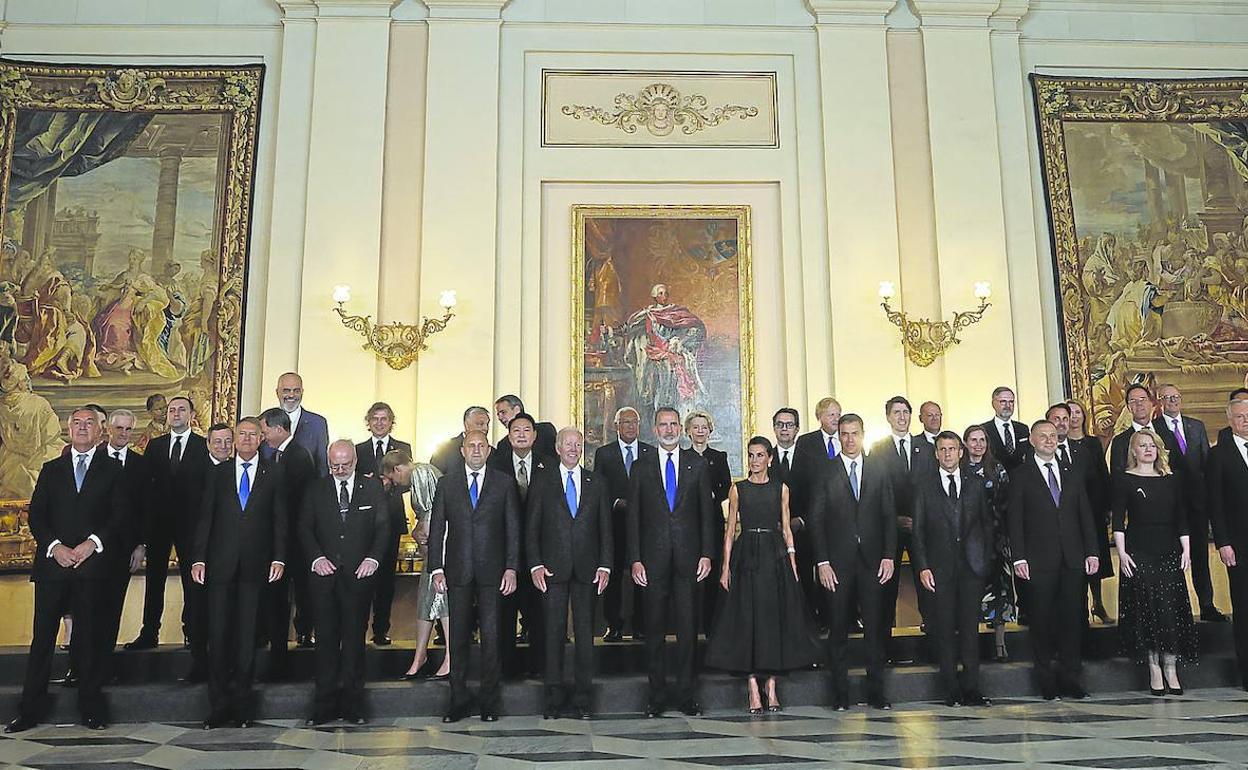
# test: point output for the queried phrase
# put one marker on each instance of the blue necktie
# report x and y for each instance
(473, 490)
(569, 491)
(853, 477)
(80, 471)
(628, 461)
(669, 483)
(244, 487)
(831, 450)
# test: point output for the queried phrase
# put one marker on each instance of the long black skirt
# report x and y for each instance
(1154, 611)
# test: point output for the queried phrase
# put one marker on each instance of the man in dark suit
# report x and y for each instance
(474, 551)
(931, 417)
(380, 421)
(812, 456)
(1227, 475)
(784, 423)
(344, 529)
(240, 546)
(476, 418)
(76, 511)
(614, 462)
(518, 458)
(1007, 437)
(568, 544)
(298, 472)
(854, 530)
(1053, 542)
(1189, 436)
(311, 431)
(1225, 433)
(220, 438)
(907, 458)
(670, 541)
(953, 552)
(1140, 406)
(1092, 469)
(177, 462)
(127, 559)
(506, 408)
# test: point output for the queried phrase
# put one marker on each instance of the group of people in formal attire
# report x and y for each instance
(273, 523)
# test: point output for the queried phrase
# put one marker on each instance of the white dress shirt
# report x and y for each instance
(931, 438)
(1044, 471)
(74, 455)
(1241, 444)
(836, 441)
(957, 481)
(173, 438)
(663, 453)
(785, 454)
(576, 482)
(909, 446)
(120, 455)
(1001, 429)
(282, 447)
(294, 418)
(385, 443)
(528, 464)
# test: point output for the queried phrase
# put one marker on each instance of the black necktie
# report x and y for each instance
(117, 456)
(381, 450)
(1061, 448)
(784, 462)
(953, 489)
(175, 455)
(1009, 438)
(344, 500)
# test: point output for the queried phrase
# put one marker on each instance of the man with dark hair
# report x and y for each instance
(786, 422)
(476, 418)
(1007, 437)
(615, 461)
(506, 408)
(177, 462)
(670, 541)
(220, 438)
(1140, 404)
(298, 471)
(239, 547)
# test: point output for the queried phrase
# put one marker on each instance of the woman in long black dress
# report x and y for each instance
(1098, 496)
(761, 627)
(699, 426)
(1000, 606)
(1150, 532)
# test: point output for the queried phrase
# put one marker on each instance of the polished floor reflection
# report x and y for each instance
(1205, 729)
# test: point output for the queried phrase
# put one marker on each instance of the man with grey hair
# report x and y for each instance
(614, 461)
(1228, 489)
(446, 455)
(128, 558)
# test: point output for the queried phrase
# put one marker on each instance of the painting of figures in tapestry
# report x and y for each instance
(663, 317)
(122, 248)
(1149, 204)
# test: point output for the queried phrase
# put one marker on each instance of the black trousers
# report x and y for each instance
(1237, 577)
(858, 589)
(555, 614)
(273, 621)
(88, 602)
(620, 600)
(232, 608)
(1202, 580)
(525, 606)
(955, 621)
(112, 602)
(383, 588)
(340, 602)
(811, 588)
(469, 601)
(670, 593)
(163, 541)
(1055, 605)
(300, 601)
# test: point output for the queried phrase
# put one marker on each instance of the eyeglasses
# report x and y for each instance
(785, 424)
(340, 466)
(1172, 399)
(1137, 401)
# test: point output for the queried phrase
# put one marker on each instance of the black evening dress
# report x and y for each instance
(761, 624)
(1154, 611)
(998, 605)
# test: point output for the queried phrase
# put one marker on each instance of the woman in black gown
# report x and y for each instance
(1098, 496)
(1000, 606)
(761, 627)
(1150, 532)
(699, 426)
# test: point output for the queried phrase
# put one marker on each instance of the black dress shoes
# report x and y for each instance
(246, 723)
(1075, 692)
(141, 642)
(69, 680)
(94, 723)
(355, 719)
(195, 676)
(455, 714)
(951, 701)
(579, 712)
(691, 708)
(214, 721)
(20, 724)
(974, 698)
(488, 716)
(878, 702)
(306, 641)
(382, 641)
(840, 704)
(613, 635)
(654, 710)
(550, 712)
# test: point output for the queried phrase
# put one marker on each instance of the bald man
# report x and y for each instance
(309, 429)
(344, 527)
(474, 551)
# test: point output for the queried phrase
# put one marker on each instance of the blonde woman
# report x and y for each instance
(1150, 533)
(699, 426)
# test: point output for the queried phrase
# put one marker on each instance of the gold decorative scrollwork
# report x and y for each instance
(126, 89)
(660, 109)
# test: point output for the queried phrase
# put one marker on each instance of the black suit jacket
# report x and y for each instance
(543, 444)
(475, 545)
(135, 476)
(922, 461)
(841, 526)
(502, 460)
(609, 461)
(173, 498)
(1047, 536)
(364, 534)
(366, 454)
(1227, 481)
(810, 465)
(237, 544)
(1091, 466)
(1022, 443)
(938, 544)
(298, 472)
(662, 538)
(59, 511)
(1191, 465)
(571, 548)
(721, 475)
(776, 470)
(448, 454)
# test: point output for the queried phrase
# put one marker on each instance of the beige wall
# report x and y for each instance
(400, 153)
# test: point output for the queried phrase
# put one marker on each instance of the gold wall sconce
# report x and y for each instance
(925, 340)
(396, 343)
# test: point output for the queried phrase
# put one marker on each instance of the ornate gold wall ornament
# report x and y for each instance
(396, 343)
(925, 340)
(126, 89)
(660, 109)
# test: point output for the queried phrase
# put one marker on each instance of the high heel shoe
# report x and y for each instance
(1174, 690)
(1156, 692)
(750, 709)
(1100, 614)
(774, 706)
(421, 672)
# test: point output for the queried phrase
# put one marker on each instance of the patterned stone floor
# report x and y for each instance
(1204, 729)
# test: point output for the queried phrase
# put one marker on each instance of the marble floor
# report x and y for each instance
(1204, 729)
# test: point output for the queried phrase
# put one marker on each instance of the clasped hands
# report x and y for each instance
(72, 558)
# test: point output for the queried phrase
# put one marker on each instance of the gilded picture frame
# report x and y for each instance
(78, 144)
(1146, 185)
(703, 254)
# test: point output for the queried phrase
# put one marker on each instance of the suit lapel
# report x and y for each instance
(587, 483)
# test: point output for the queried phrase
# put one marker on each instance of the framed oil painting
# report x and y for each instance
(126, 196)
(1147, 188)
(662, 316)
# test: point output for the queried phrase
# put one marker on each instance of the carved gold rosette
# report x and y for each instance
(1061, 100)
(231, 91)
